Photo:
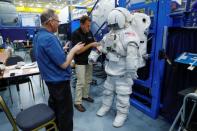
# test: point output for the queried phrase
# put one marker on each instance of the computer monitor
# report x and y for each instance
(75, 24)
(63, 28)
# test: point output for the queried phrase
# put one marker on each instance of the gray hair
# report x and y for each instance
(47, 15)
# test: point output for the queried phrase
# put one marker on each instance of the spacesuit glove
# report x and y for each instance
(92, 58)
(146, 56)
(132, 74)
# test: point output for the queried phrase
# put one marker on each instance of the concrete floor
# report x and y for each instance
(87, 121)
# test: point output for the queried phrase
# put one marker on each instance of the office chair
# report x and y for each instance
(32, 118)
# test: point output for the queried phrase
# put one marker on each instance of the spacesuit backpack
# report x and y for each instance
(140, 23)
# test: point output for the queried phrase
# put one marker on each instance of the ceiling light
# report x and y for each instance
(21, 4)
(31, 5)
(47, 6)
(38, 5)
(59, 7)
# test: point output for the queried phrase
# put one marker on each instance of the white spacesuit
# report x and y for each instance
(121, 46)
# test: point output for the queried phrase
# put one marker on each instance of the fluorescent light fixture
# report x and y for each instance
(38, 5)
(54, 6)
(47, 6)
(31, 5)
(21, 4)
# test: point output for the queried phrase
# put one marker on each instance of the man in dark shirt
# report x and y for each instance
(83, 69)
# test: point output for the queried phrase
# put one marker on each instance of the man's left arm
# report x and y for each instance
(90, 45)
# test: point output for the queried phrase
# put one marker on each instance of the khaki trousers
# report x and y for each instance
(84, 78)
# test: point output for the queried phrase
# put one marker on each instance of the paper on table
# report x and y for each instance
(26, 67)
(10, 67)
(33, 70)
(17, 72)
(30, 65)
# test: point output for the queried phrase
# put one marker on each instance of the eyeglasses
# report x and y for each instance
(57, 20)
(51, 18)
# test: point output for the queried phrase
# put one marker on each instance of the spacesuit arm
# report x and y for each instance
(102, 48)
(95, 53)
(85, 48)
(93, 56)
(132, 59)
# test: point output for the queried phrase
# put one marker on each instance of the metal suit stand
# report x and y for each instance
(184, 124)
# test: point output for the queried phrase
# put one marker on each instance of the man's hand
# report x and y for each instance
(71, 54)
(99, 48)
(77, 47)
(86, 47)
(95, 44)
(66, 47)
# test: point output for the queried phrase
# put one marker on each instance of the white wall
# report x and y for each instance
(64, 15)
(76, 14)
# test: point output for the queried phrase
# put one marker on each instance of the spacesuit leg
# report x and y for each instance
(108, 95)
(123, 90)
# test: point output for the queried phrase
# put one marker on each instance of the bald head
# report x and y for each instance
(50, 20)
(47, 15)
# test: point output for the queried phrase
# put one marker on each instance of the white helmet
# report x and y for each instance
(118, 18)
(140, 22)
(125, 12)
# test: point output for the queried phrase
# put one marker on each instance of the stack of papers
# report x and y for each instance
(33, 70)
(30, 65)
(16, 72)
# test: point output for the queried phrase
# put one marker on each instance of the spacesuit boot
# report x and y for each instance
(103, 110)
(119, 119)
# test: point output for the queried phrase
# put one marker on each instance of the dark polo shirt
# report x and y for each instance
(87, 38)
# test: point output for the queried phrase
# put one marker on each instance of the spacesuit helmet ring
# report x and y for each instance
(113, 26)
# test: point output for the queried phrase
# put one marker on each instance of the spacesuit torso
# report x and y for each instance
(121, 49)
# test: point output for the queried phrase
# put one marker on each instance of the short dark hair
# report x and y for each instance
(47, 15)
(84, 18)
